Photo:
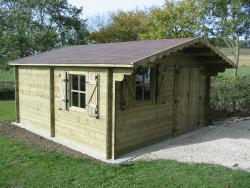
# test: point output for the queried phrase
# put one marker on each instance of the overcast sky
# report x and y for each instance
(99, 7)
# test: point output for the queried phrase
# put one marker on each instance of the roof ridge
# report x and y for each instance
(133, 41)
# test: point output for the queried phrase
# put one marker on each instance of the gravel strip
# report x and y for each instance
(227, 145)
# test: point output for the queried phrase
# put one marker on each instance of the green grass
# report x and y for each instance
(23, 166)
(243, 71)
(243, 51)
(7, 110)
(244, 56)
(6, 76)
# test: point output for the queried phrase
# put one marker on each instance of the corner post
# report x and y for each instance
(52, 102)
(17, 94)
(208, 82)
(109, 111)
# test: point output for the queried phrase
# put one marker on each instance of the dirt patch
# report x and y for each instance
(14, 132)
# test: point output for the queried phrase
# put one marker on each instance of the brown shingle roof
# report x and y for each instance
(119, 53)
(107, 53)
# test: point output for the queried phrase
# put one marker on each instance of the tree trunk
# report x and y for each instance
(237, 55)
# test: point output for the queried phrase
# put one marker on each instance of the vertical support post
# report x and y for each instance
(109, 98)
(176, 98)
(17, 94)
(52, 102)
(207, 105)
(113, 117)
(156, 83)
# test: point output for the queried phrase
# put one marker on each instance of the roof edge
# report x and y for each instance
(167, 52)
(75, 65)
(218, 52)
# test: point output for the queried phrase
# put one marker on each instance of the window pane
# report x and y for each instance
(74, 82)
(82, 100)
(147, 80)
(82, 83)
(74, 99)
(139, 76)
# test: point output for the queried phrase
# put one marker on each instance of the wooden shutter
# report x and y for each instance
(63, 91)
(127, 92)
(160, 82)
(92, 94)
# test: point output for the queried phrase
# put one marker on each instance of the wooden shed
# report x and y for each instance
(112, 98)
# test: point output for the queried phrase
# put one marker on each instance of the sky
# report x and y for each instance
(99, 7)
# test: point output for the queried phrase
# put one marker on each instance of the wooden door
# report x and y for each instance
(187, 99)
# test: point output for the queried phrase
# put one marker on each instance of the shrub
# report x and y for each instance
(230, 96)
(7, 93)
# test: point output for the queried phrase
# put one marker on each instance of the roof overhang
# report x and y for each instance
(74, 65)
(211, 52)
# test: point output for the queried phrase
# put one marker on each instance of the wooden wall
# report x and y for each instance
(124, 124)
(76, 126)
(141, 123)
(34, 104)
(180, 106)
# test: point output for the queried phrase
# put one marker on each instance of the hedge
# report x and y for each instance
(230, 96)
(7, 93)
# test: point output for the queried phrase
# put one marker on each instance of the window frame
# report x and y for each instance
(79, 92)
(142, 84)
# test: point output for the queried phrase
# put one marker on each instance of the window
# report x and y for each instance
(78, 91)
(143, 83)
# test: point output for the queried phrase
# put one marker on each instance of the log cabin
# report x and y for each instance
(110, 99)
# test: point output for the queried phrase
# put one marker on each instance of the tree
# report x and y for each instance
(229, 20)
(176, 19)
(121, 26)
(33, 26)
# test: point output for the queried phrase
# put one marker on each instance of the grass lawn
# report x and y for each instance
(23, 166)
(6, 76)
(243, 51)
(7, 110)
(244, 55)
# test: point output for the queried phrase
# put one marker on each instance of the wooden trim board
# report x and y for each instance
(109, 113)
(52, 102)
(17, 95)
(76, 65)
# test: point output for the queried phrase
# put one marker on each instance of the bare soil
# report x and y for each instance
(36, 141)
